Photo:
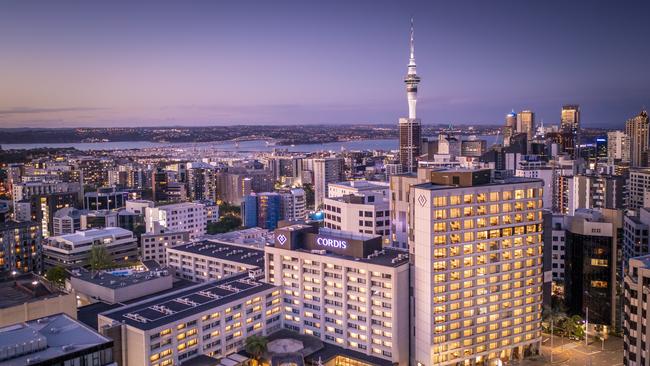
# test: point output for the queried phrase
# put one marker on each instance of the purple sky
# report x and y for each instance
(115, 63)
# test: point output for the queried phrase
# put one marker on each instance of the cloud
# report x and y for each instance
(32, 110)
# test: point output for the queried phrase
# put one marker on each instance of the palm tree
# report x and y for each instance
(256, 346)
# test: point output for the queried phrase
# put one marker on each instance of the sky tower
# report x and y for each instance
(410, 128)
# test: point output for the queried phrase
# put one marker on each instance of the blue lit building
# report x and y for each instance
(262, 210)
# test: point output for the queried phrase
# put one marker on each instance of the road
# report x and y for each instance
(575, 353)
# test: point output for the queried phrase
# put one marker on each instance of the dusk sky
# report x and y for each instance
(116, 63)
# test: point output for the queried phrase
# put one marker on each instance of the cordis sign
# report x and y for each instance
(333, 243)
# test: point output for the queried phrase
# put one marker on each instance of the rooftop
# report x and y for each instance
(85, 235)
(165, 309)
(24, 288)
(44, 339)
(118, 278)
(361, 184)
(497, 182)
(220, 250)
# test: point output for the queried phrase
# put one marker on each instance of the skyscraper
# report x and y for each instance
(477, 268)
(510, 127)
(526, 123)
(637, 131)
(327, 170)
(570, 119)
(618, 146)
(410, 128)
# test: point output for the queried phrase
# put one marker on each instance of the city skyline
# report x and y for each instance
(89, 65)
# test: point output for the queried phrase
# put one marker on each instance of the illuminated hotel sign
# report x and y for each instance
(309, 238)
(334, 243)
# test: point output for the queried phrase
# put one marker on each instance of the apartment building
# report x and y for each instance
(635, 312)
(343, 288)
(153, 247)
(186, 216)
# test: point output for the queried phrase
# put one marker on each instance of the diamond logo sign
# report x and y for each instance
(422, 200)
(282, 239)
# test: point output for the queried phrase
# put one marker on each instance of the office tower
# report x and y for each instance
(159, 182)
(473, 147)
(344, 289)
(526, 123)
(635, 313)
(636, 229)
(20, 247)
(326, 171)
(186, 216)
(262, 210)
(510, 127)
(601, 147)
(618, 146)
(105, 199)
(477, 249)
(366, 213)
(570, 118)
(638, 189)
(212, 318)
(210, 260)
(410, 128)
(555, 235)
(591, 264)
(73, 250)
(636, 129)
(293, 204)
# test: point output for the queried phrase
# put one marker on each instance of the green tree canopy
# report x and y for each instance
(256, 346)
(99, 258)
(57, 275)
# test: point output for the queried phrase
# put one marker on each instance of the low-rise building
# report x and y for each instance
(212, 260)
(212, 318)
(26, 297)
(187, 216)
(54, 340)
(153, 246)
(73, 250)
(117, 286)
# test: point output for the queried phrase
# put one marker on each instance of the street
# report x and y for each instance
(575, 353)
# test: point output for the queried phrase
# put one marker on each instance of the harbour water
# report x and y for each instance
(244, 146)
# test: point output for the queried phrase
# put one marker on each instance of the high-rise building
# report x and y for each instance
(570, 118)
(510, 127)
(293, 204)
(477, 286)
(326, 171)
(343, 288)
(20, 247)
(618, 146)
(636, 129)
(635, 313)
(526, 123)
(262, 210)
(591, 264)
(638, 188)
(410, 128)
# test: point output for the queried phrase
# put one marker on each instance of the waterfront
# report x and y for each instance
(243, 146)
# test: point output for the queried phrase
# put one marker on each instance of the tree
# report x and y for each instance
(99, 258)
(309, 194)
(256, 346)
(57, 275)
(225, 224)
